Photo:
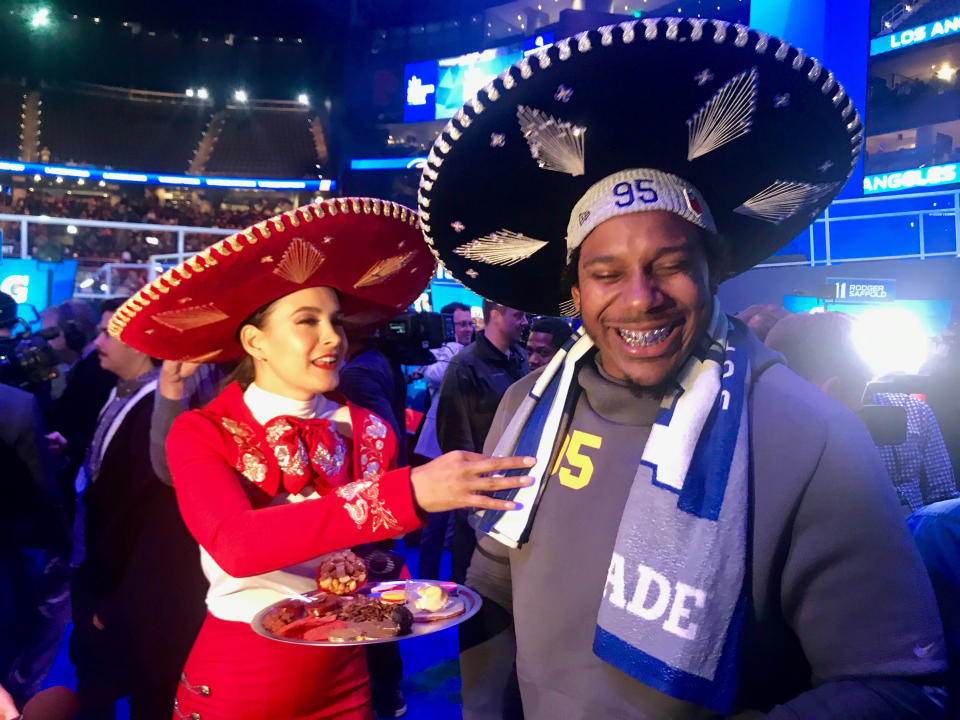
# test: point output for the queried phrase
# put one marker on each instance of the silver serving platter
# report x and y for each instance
(471, 600)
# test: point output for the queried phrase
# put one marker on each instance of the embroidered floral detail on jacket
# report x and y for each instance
(331, 463)
(372, 461)
(251, 461)
(362, 502)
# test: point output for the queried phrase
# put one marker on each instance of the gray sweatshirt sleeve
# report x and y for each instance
(856, 593)
(487, 644)
(165, 411)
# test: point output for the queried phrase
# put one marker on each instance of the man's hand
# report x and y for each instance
(56, 443)
(172, 375)
(454, 480)
(97, 623)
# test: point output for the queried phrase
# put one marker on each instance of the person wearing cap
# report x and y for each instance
(278, 470)
(707, 533)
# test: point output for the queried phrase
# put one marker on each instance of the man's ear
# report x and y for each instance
(575, 296)
(251, 338)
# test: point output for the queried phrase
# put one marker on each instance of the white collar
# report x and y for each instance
(265, 406)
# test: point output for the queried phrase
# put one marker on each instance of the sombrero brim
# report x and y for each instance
(371, 251)
(764, 132)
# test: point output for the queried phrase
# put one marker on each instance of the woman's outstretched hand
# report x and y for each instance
(456, 479)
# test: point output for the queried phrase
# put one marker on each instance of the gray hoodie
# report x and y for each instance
(842, 620)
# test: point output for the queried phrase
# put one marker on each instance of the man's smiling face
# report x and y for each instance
(644, 294)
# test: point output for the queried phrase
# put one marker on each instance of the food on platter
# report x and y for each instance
(426, 596)
(341, 573)
(431, 602)
(324, 617)
(376, 614)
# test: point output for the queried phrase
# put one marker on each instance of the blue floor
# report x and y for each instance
(431, 675)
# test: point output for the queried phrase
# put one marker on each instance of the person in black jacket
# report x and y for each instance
(34, 547)
(472, 387)
(138, 589)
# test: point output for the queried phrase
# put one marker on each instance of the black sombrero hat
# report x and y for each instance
(737, 131)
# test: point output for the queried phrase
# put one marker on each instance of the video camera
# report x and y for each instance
(409, 336)
(26, 359)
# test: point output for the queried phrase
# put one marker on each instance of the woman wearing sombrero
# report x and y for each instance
(278, 470)
(710, 533)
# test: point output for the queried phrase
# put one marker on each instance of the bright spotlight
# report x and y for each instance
(87, 283)
(202, 93)
(71, 229)
(40, 18)
(240, 96)
(151, 240)
(59, 180)
(102, 183)
(891, 340)
(104, 287)
(36, 178)
(79, 181)
(190, 92)
(303, 99)
(946, 72)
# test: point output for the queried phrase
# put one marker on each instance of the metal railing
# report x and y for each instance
(831, 223)
(105, 280)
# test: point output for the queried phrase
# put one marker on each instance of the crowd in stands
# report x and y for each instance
(121, 245)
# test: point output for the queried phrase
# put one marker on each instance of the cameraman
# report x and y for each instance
(33, 536)
(820, 349)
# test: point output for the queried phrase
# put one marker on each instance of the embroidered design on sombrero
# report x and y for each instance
(502, 247)
(189, 318)
(382, 270)
(555, 145)
(783, 200)
(725, 116)
(300, 260)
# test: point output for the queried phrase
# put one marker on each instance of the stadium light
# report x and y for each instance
(190, 92)
(240, 96)
(202, 93)
(303, 99)
(59, 179)
(946, 72)
(152, 240)
(36, 178)
(40, 18)
(71, 229)
(891, 339)
(102, 183)
(79, 181)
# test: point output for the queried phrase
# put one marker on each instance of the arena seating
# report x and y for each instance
(11, 104)
(112, 130)
(264, 143)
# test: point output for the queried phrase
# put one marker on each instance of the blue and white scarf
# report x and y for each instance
(674, 598)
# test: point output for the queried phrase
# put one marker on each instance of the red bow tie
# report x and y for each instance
(307, 451)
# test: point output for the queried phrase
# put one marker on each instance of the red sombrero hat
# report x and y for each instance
(371, 251)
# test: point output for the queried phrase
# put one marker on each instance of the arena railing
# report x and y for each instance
(115, 278)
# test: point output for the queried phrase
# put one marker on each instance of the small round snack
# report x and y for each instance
(402, 616)
(341, 573)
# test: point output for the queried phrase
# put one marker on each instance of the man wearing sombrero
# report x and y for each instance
(707, 533)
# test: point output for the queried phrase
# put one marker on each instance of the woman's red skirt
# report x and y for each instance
(234, 674)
